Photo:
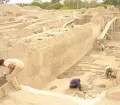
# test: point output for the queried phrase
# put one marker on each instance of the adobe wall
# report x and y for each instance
(48, 55)
(46, 58)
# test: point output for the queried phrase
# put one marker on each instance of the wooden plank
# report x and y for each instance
(107, 27)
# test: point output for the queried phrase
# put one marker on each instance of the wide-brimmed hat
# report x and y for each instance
(108, 67)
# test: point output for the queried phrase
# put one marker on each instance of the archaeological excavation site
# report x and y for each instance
(57, 46)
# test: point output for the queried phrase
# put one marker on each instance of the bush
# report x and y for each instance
(55, 6)
(64, 8)
(35, 4)
(32, 4)
(102, 5)
(22, 5)
(45, 5)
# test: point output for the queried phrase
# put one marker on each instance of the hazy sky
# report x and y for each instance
(27, 1)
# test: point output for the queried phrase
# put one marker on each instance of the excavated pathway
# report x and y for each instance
(90, 69)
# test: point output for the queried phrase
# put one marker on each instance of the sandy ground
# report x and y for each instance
(90, 69)
(36, 97)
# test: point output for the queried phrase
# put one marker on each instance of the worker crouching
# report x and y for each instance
(75, 83)
(15, 67)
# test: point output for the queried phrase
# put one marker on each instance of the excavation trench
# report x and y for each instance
(47, 57)
(91, 68)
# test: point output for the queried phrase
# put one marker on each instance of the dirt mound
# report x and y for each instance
(7, 9)
(112, 8)
(100, 10)
(114, 93)
(112, 97)
(32, 8)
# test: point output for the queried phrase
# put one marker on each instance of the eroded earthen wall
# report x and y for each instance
(46, 63)
(45, 58)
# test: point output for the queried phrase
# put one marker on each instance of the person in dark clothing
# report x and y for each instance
(75, 83)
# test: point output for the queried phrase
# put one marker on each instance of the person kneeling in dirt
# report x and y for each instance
(75, 83)
(109, 72)
(15, 67)
(100, 46)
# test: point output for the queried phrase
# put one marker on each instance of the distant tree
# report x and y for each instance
(101, 5)
(4, 1)
(44, 5)
(55, 6)
(35, 4)
(73, 4)
(112, 2)
(85, 4)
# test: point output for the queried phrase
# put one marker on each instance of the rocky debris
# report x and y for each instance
(28, 40)
(53, 87)
(3, 80)
(79, 94)
(32, 17)
(102, 86)
(11, 19)
(86, 88)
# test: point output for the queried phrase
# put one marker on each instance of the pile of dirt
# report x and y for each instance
(8, 9)
(32, 8)
(100, 10)
(112, 8)
(112, 97)
(82, 10)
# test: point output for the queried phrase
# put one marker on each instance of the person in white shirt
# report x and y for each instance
(15, 67)
(110, 73)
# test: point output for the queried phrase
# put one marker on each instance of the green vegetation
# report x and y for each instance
(112, 2)
(55, 1)
(35, 4)
(55, 6)
(45, 5)
(72, 4)
(101, 5)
